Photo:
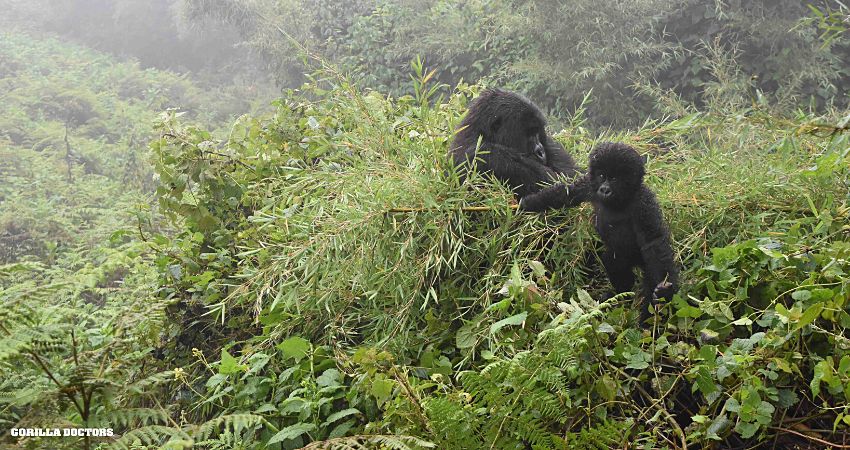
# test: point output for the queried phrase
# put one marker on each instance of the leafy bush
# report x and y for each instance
(80, 319)
(325, 280)
(336, 228)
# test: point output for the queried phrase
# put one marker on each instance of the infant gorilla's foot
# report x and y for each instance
(664, 289)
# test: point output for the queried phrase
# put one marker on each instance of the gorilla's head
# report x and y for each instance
(508, 119)
(616, 172)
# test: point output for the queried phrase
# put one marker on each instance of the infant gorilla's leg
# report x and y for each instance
(619, 271)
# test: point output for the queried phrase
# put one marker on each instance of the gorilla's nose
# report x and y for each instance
(539, 150)
(604, 191)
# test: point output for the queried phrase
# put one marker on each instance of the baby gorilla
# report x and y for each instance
(628, 219)
(630, 223)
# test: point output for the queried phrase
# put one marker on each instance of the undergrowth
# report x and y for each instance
(334, 243)
(332, 284)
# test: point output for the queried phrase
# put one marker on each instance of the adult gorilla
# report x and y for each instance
(514, 146)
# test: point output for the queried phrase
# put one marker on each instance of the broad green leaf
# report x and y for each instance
(746, 429)
(216, 380)
(743, 322)
(516, 319)
(538, 268)
(291, 432)
(639, 360)
(382, 389)
(822, 295)
(294, 347)
(704, 382)
(606, 387)
(467, 335)
(330, 377)
(844, 366)
(229, 364)
(719, 426)
(801, 294)
(822, 369)
(810, 315)
(341, 429)
(339, 415)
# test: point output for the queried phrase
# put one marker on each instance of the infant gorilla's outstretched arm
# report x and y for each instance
(557, 196)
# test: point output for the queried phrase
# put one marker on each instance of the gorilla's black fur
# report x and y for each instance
(628, 219)
(630, 223)
(514, 145)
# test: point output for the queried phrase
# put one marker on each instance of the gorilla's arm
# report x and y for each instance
(653, 237)
(558, 196)
(523, 171)
(559, 160)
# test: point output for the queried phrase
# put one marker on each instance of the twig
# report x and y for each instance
(660, 407)
(821, 129)
(230, 159)
(414, 399)
(811, 438)
(465, 209)
(657, 405)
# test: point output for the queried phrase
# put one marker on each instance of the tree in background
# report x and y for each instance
(557, 52)
(152, 31)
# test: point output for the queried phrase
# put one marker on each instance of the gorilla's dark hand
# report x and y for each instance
(557, 196)
(664, 289)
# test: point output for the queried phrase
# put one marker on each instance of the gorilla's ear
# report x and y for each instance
(496, 125)
(644, 158)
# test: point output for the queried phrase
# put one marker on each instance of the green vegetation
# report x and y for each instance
(556, 52)
(317, 277)
(355, 287)
(79, 315)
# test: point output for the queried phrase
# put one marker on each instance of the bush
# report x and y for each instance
(336, 232)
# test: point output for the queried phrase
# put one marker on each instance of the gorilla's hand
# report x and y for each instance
(664, 289)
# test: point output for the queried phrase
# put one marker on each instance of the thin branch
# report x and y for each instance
(464, 209)
(811, 438)
(43, 365)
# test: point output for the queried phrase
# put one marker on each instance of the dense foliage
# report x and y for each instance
(348, 281)
(79, 314)
(318, 277)
(625, 52)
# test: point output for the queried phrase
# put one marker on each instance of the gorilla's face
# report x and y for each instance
(616, 173)
(610, 186)
(511, 120)
(533, 143)
(525, 131)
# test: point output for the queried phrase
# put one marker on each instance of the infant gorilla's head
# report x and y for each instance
(616, 172)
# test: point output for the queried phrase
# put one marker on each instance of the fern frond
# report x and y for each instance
(367, 442)
(149, 435)
(601, 437)
(236, 422)
(135, 417)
